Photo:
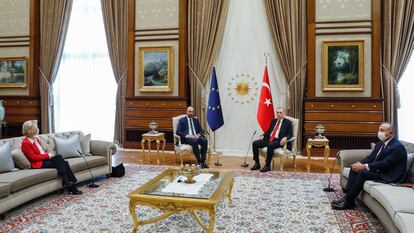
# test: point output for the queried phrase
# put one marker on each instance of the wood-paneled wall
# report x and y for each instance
(141, 110)
(350, 122)
(20, 108)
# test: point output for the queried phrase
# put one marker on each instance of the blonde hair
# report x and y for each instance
(30, 128)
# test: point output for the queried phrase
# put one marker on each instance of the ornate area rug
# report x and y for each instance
(262, 202)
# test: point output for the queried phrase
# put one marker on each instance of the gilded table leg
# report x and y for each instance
(132, 206)
(143, 150)
(158, 151)
(229, 191)
(163, 146)
(308, 150)
(212, 219)
(149, 151)
(326, 156)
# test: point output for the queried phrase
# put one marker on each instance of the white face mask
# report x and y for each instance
(381, 136)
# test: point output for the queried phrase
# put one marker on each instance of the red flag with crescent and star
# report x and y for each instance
(265, 112)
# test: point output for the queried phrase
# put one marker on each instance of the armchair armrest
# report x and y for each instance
(289, 140)
(347, 157)
(105, 149)
(178, 138)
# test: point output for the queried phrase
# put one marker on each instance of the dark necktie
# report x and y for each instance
(192, 126)
(272, 137)
(379, 151)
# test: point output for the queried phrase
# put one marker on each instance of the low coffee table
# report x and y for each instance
(152, 194)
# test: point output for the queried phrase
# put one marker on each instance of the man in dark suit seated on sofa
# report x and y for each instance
(386, 163)
(191, 132)
(276, 136)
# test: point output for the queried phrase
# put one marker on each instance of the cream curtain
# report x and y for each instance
(54, 21)
(287, 20)
(206, 20)
(116, 27)
(397, 47)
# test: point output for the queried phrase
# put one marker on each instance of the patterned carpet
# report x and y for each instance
(269, 202)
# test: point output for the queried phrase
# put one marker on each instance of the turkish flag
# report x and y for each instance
(265, 113)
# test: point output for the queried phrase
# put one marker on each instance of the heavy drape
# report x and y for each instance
(287, 20)
(54, 21)
(116, 27)
(397, 47)
(206, 20)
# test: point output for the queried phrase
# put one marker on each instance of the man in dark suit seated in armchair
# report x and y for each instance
(279, 132)
(190, 131)
(386, 163)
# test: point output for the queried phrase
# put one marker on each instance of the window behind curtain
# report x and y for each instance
(85, 87)
(406, 112)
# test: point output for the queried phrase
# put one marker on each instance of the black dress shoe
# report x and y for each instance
(256, 166)
(74, 191)
(337, 201)
(345, 205)
(205, 165)
(201, 165)
(265, 169)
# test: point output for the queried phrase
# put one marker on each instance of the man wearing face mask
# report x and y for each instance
(386, 163)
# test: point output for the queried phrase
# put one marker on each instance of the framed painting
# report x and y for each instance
(155, 69)
(13, 72)
(343, 66)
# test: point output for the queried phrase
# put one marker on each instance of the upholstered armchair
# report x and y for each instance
(179, 147)
(283, 152)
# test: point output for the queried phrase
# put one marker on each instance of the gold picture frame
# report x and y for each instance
(13, 72)
(156, 69)
(343, 65)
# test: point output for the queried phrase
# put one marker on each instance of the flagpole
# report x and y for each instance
(217, 163)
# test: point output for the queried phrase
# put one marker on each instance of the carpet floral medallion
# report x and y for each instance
(262, 202)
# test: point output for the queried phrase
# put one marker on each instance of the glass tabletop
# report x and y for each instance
(172, 184)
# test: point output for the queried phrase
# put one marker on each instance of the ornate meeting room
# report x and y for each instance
(273, 116)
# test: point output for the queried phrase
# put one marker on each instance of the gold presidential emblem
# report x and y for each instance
(242, 88)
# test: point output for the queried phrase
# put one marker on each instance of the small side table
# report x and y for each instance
(318, 143)
(150, 137)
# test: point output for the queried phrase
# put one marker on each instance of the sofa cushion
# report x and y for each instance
(24, 178)
(85, 144)
(6, 160)
(404, 222)
(78, 164)
(20, 159)
(4, 190)
(68, 147)
(394, 199)
(370, 183)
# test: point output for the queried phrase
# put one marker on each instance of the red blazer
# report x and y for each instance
(33, 153)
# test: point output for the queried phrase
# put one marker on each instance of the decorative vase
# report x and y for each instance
(2, 111)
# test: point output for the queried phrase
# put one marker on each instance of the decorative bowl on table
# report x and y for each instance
(189, 172)
(153, 125)
(319, 130)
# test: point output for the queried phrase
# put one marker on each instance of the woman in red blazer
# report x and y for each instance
(38, 158)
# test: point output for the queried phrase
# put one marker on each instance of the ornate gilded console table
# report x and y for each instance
(153, 194)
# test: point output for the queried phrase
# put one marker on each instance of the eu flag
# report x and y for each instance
(214, 113)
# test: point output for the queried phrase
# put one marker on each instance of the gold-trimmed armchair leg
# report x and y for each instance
(282, 162)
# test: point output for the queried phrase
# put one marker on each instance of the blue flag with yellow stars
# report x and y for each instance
(214, 112)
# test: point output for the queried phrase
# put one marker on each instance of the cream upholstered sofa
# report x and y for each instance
(393, 205)
(25, 184)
